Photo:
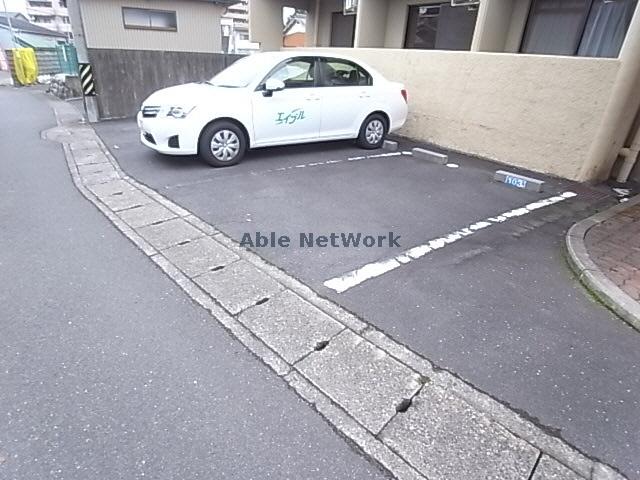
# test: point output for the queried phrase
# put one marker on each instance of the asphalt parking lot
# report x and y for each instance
(499, 307)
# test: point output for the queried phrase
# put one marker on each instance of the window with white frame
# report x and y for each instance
(587, 28)
(147, 19)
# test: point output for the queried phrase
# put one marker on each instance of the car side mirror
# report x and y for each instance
(272, 85)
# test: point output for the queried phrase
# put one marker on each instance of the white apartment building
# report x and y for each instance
(49, 14)
(235, 29)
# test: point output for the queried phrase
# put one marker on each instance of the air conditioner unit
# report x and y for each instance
(464, 3)
(349, 7)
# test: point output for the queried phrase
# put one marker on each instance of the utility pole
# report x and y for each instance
(12, 33)
(77, 27)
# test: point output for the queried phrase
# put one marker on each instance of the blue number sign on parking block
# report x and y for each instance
(515, 181)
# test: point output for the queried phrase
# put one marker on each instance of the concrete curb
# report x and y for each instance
(590, 274)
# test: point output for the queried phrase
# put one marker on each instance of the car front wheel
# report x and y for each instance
(222, 144)
(372, 132)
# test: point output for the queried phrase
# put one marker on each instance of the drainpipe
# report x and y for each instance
(618, 117)
(630, 155)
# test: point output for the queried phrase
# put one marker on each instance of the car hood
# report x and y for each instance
(187, 94)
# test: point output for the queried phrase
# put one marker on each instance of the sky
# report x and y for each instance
(14, 5)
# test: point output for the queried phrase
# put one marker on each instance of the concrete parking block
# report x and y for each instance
(435, 157)
(518, 181)
(146, 215)
(238, 286)
(290, 325)
(125, 199)
(549, 469)
(390, 146)
(363, 379)
(444, 437)
(169, 233)
(200, 256)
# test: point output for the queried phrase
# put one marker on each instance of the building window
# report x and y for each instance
(295, 73)
(440, 27)
(63, 3)
(588, 28)
(146, 19)
(41, 18)
(342, 73)
(39, 3)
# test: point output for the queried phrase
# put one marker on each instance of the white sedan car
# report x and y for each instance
(275, 98)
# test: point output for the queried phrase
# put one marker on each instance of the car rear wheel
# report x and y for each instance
(222, 144)
(372, 132)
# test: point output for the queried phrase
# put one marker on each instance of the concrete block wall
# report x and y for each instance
(531, 111)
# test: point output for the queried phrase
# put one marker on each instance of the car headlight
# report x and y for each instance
(179, 112)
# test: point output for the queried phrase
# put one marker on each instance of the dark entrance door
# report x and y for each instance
(342, 29)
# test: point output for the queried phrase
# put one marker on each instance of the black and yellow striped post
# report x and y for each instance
(86, 80)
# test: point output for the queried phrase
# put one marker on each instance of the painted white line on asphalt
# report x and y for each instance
(290, 167)
(388, 154)
(375, 269)
(328, 162)
(452, 165)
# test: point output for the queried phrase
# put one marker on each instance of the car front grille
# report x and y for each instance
(150, 111)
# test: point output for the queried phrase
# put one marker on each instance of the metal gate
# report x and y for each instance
(67, 58)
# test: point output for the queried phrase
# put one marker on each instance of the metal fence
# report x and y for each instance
(61, 59)
(67, 59)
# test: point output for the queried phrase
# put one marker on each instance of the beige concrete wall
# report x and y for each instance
(535, 112)
(198, 26)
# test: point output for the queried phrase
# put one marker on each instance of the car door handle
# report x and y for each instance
(312, 97)
(364, 95)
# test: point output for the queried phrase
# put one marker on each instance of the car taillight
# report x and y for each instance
(404, 95)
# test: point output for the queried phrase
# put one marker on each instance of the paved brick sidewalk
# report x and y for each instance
(614, 246)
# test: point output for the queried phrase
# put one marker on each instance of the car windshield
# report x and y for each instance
(238, 75)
